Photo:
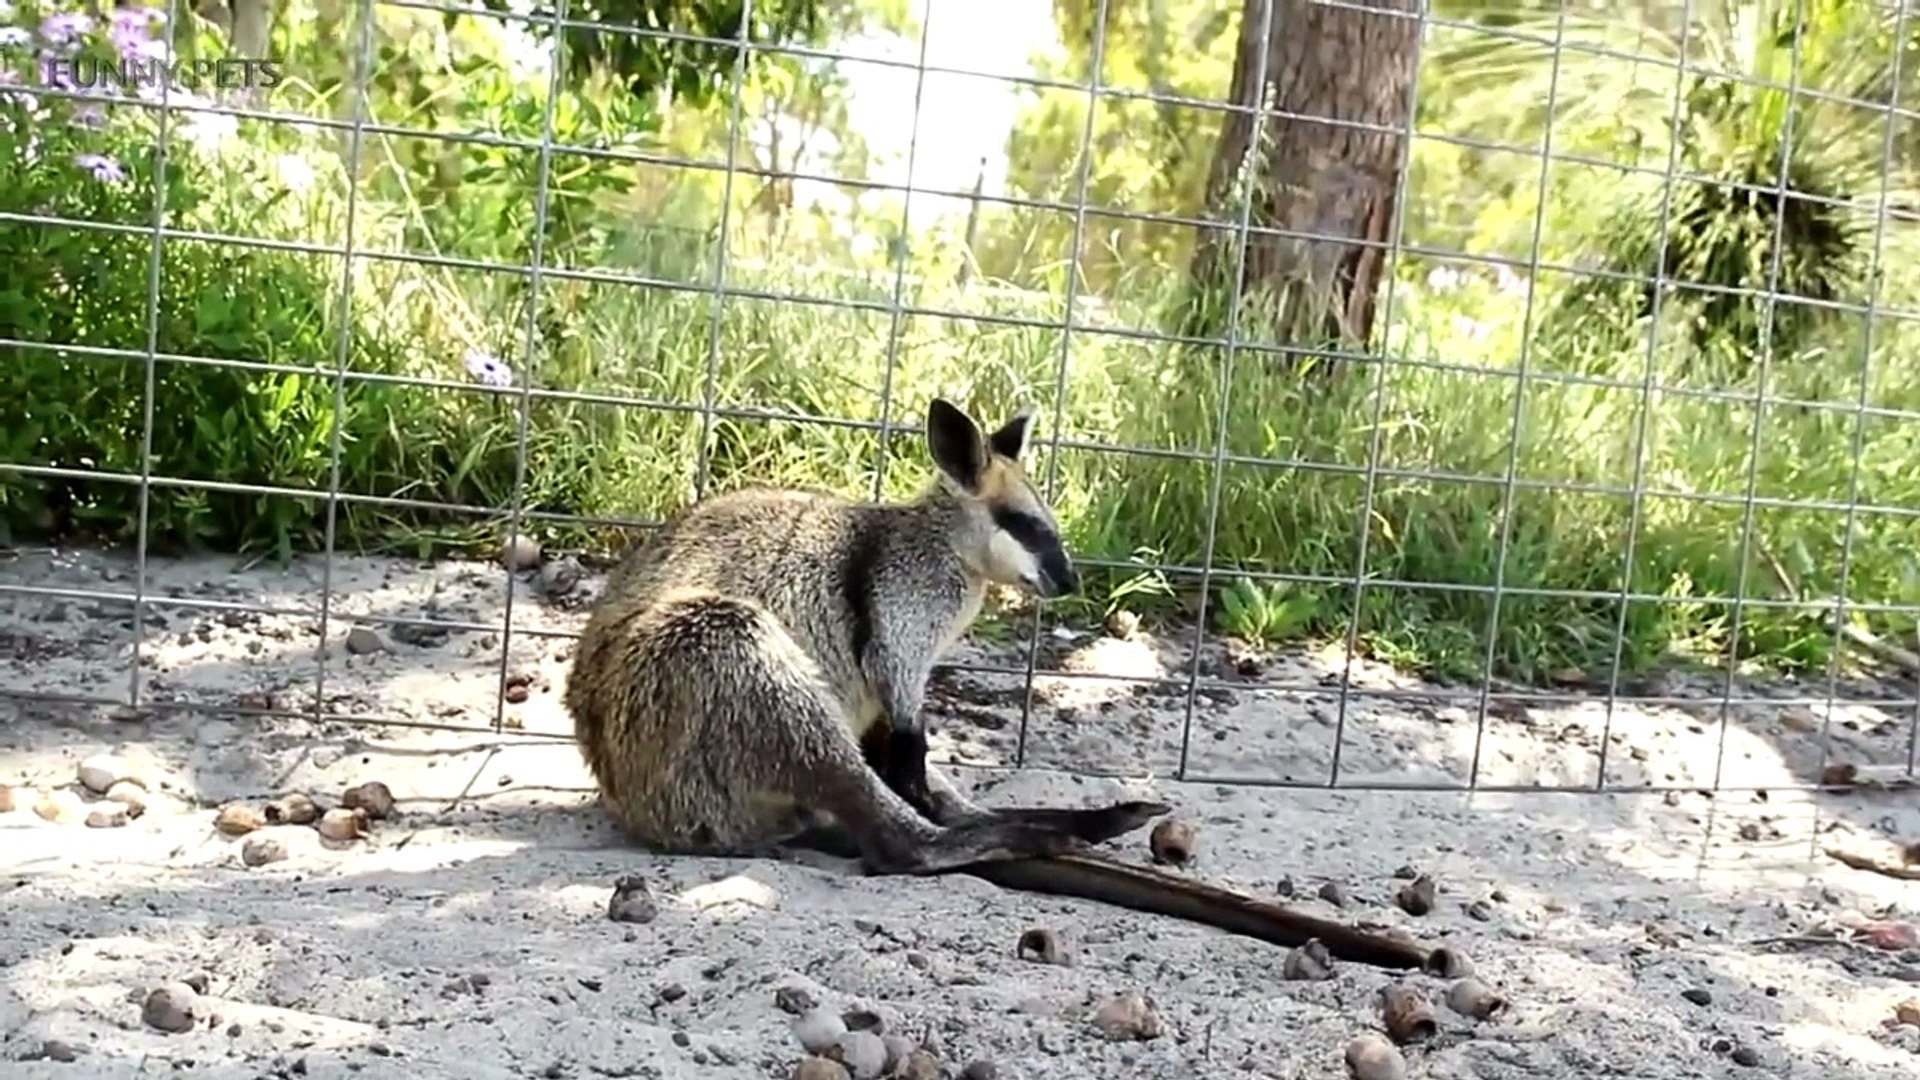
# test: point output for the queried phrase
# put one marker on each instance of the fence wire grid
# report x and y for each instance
(1080, 318)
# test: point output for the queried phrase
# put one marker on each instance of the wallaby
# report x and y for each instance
(751, 679)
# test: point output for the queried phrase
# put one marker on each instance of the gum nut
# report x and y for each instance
(100, 772)
(372, 796)
(1309, 962)
(819, 1029)
(1171, 842)
(1448, 963)
(343, 824)
(169, 1008)
(1128, 1016)
(1370, 1057)
(1473, 998)
(1416, 896)
(107, 817)
(294, 809)
(261, 850)
(238, 819)
(130, 794)
(1407, 1014)
(1042, 945)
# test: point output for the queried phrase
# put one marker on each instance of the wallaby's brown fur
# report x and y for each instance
(736, 659)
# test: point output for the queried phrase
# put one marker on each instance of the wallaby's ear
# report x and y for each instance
(954, 440)
(1011, 440)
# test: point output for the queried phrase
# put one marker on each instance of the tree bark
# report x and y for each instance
(1351, 63)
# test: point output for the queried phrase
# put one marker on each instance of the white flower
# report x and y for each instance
(209, 132)
(294, 172)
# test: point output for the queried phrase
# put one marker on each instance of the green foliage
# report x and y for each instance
(244, 447)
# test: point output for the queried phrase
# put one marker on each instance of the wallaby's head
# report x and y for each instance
(1008, 535)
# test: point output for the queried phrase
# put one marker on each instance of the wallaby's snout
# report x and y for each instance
(1057, 576)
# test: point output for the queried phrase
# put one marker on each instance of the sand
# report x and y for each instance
(468, 936)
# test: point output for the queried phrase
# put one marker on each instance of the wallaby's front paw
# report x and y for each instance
(1105, 823)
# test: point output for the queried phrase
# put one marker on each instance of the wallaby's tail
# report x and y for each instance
(1139, 888)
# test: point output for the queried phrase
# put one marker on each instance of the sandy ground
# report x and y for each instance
(468, 936)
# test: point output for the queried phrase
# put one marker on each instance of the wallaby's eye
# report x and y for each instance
(1027, 529)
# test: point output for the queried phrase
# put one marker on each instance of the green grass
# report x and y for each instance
(597, 458)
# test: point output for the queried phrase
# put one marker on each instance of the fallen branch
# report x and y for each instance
(1886, 652)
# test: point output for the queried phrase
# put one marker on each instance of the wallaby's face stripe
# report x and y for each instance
(1028, 529)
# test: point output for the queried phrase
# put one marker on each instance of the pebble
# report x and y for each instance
(1698, 996)
(557, 578)
(1042, 946)
(982, 1069)
(898, 1048)
(819, 1068)
(1746, 1055)
(1128, 1016)
(819, 1030)
(864, 1055)
(106, 817)
(238, 819)
(793, 999)
(1333, 894)
(632, 901)
(1473, 998)
(361, 641)
(1309, 962)
(59, 1050)
(8, 800)
(100, 772)
(373, 796)
(1407, 1015)
(261, 850)
(169, 1008)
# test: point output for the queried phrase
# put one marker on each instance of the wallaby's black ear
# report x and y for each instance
(954, 440)
(1011, 440)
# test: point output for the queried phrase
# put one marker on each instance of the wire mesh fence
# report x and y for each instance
(555, 272)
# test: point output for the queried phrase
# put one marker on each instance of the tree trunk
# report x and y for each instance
(1329, 62)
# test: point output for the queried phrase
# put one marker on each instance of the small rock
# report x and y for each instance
(1042, 946)
(1370, 1057)
(1171, 842)
(1416, 896)
(130, 794)
(294, 809)
(862, 1052)
(1333, 894)
(1480, 910)
(982, 1069)
(169, 1008)
(1128, 1016)
(363, 640)
(1697, 996)
(59, 1050)
(864, 1020)
(516, 694)
(8, 800)
(1310, 962)
(819, 1030)
(261, 850)
(558, 577)
(632, 901)
(341, 824)
(238, 819)
(819, 1068)
(106, 817)
(1122, 623)
(1746, 1055)
(100, 772)
(1908, 1012)
(791, 999)
(1448, 963)
(372, 796)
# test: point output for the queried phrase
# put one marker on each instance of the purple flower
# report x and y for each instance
(488, 369)
(104, 169)
(89, 116)
(65, 28)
